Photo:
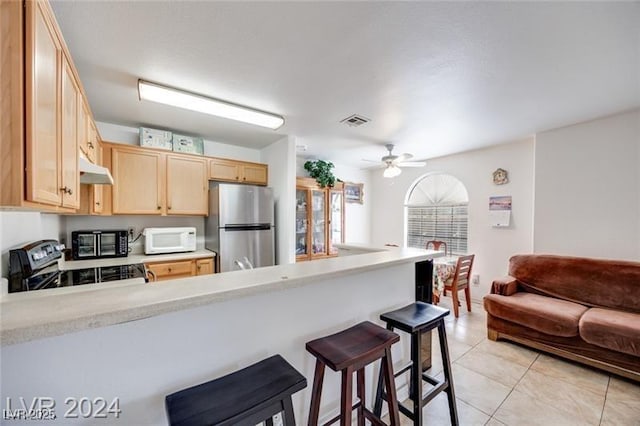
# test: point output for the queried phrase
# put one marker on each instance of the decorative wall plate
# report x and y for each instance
(500, 177)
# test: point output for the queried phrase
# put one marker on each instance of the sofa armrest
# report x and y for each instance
(505, 286)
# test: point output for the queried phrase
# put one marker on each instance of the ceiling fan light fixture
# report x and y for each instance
(391, 171)
(195, 102)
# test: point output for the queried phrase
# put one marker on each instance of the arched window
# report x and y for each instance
(436, 209)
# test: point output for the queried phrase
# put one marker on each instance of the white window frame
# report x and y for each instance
(407, 206)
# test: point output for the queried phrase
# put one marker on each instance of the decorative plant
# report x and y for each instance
(321, 172)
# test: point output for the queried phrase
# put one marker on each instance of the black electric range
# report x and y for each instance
(34, 267)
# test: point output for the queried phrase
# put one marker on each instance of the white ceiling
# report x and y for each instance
(434, 77)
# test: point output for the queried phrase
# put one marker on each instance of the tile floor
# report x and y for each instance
(501, 383)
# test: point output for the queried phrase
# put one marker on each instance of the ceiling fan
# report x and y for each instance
(392, 163)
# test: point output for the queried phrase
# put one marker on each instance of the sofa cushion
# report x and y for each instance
(619, 331)
(544, 314)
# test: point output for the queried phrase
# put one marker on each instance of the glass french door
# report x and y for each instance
(336, 225)
(302, 213)
(318, 222)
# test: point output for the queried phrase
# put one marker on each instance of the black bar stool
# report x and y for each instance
(350, 351)
(416, 319)
(245, 397)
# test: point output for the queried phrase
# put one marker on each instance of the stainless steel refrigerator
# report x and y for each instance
(240, 226)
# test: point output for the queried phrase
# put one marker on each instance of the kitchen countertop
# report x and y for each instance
(35, 318)
(66, 265)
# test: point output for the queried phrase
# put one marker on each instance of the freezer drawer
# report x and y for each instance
(256, 245)
(243, 204)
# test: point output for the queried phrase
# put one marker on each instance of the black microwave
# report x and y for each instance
(99, 244)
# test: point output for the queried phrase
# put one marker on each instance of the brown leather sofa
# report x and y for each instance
(586, 310)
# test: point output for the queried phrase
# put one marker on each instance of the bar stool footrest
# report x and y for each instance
(403, 370)
(433, 392)
(430, 379)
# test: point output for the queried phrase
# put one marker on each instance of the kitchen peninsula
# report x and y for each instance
(141, 342)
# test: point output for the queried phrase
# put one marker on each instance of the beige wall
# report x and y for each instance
(587, 189)
(492, 246)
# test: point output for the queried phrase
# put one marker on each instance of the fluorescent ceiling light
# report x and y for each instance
(181, 99)
(391, 171)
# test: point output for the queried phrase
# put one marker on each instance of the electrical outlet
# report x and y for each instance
(132, 233)
(475, 280)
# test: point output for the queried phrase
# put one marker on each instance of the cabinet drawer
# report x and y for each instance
(166, 270)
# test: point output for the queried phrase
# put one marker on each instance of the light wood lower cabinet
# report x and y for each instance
(204, 266)
(161, 271)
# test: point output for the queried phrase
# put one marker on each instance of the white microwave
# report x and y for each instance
(169, 240)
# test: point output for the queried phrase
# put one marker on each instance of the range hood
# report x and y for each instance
(94, 174)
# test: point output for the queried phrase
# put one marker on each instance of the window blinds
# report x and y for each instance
(444, 223)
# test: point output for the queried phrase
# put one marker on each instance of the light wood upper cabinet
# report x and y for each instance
(147, 181)
(43, 69)
(44, 111)
(224, 170)
(187, 185)
(98, 190)
(254, 173)
(92, 141)
(70, 183)
(138, 177)
(83, 126)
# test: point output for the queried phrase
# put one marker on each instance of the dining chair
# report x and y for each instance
(436, 245)
(460, 281)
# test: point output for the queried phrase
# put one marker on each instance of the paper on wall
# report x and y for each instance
(500, 211)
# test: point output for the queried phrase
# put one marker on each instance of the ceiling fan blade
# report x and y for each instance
(370, 161)
(403, 157)
(412, 164)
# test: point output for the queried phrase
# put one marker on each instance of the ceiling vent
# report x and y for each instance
(355, 120)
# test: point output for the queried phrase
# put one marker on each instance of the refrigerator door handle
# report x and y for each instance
(243, 264)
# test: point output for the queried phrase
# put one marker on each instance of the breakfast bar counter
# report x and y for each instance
(140, 342)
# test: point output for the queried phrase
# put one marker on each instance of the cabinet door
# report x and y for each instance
(254, 173)
(336, 219)
(92, 142)
(70, 182)
(302, 224)
(204, 266)
(83, 126)
(224, 170)
(138, 182)
(318, 222)
(98, 190)
(187, 185)
(43, 56)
